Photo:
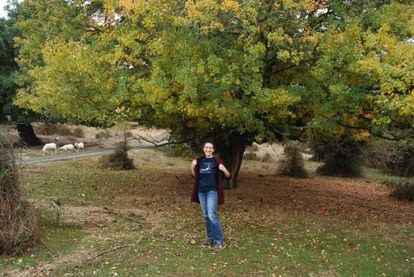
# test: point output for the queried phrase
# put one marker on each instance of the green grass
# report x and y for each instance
(150, 228)
(280, 250)
(384, 178)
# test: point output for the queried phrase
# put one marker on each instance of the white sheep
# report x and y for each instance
(67, 147)
(49, 146)
(79, 146)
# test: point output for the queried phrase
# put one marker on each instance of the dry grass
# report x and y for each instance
(18, 221)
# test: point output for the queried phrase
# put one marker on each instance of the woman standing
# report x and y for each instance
(209, 192)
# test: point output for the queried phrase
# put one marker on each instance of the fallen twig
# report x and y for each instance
(112, 211)
(110, 250)
(115, 248)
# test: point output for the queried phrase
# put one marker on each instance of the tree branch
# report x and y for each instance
(156, 143)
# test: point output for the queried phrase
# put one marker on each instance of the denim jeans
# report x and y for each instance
(209, 204)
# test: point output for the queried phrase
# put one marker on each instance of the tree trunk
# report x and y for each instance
(232, 155)
(27, 134)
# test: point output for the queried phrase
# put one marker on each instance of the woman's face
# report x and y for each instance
(208, 149)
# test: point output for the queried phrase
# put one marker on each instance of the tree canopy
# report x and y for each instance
(8, 86)
(238, 71)
(7, 67)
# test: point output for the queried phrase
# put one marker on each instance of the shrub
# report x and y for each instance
(119, 159)
(342, 157)
(249, 155)
(293, 164)
(63, 130)
(18, 223)
(103, 134)
(403, 191)
(391, 157)
(78, 132)
(128, 134)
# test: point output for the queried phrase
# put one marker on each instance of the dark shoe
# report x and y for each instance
(207, 242)
(219, 247)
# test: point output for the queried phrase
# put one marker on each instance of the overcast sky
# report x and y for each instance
(3, 3)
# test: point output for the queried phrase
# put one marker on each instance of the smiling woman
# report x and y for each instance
(208, 191)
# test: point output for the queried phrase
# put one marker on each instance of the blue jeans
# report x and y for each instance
(209, 204)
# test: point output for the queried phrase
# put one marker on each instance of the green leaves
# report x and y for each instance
(77, 76)
(244, 67)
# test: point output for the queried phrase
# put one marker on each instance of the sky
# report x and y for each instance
(3, 3)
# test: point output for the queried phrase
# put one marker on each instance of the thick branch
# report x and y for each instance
(156, 143)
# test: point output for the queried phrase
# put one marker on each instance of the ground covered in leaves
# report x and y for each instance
(141, 222)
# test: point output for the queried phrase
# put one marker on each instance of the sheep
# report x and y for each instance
(79, 146)
(49, 146)
(67, 147)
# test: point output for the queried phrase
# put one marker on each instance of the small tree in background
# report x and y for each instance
(293, 165)
(342, 156)
(18, 222)
(119, 159)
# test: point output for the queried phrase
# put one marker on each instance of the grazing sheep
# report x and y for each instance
(67, 147)
(49, 146)
(79, 146)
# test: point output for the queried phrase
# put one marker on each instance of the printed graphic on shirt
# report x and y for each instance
(206, 168)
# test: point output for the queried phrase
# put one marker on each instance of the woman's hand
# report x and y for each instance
(224, 170)
(193, 166)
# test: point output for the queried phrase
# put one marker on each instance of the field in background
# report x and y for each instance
(93, 138)
(141, 222)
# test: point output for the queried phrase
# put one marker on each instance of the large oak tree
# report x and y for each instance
(236, 71)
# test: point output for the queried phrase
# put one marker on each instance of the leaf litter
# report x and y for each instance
(157, 199)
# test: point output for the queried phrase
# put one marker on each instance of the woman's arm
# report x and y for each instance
(224, 170)
(193, 165)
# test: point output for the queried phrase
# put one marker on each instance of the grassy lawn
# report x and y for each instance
(141, 222)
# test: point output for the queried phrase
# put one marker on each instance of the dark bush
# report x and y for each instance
(249, 155)
(342, 157)
(292, 165)
(319, 149)
(18, 222)
(403, 191)
(78, 132)
(391, 157)
(119, 159)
